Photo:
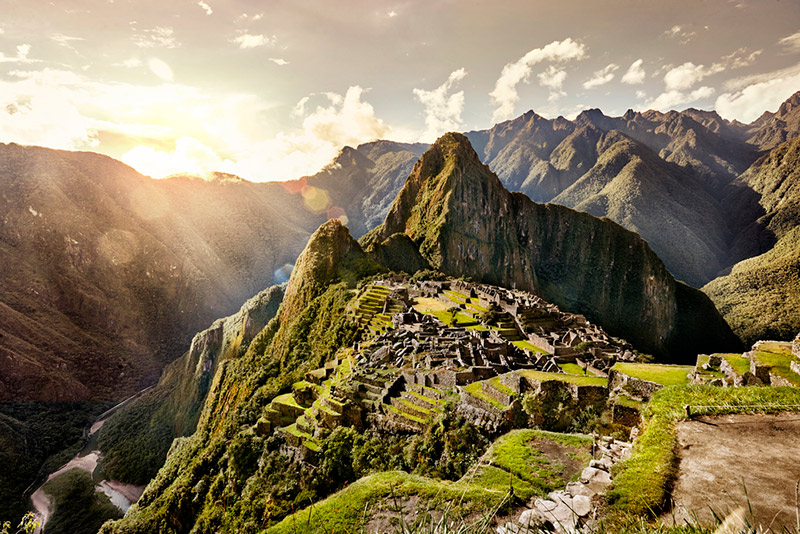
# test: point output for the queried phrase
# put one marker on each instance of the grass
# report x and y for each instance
(739, 363)
(572, 368)
(666, 375)
(515, 453)
(525, 344)
(345, 511)
(407, 415)
(641, 483)
(287, 399)
(476, 391)
(541, 376)
(462, 319)
(779, 357)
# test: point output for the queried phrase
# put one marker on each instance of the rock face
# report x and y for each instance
(465, 223)
(135, 440)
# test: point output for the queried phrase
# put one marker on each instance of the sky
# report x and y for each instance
(271, 90)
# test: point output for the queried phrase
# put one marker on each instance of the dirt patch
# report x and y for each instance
(729, 460)
(563, 459)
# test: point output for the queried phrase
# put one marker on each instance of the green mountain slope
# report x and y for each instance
(465, 223)
(136, 438)
(760, 298)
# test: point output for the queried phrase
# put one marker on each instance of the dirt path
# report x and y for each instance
(721, 456)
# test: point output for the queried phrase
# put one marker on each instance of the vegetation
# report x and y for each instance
(34, 436)
(666, 375)
(79, 509)
(642, 482)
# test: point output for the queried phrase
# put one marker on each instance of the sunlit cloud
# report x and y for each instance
(158, 37)
(760, 93)
(244, 17)
(443, 108)
(248, 40)
(681, 33)
(21, 56)
(673, 99)
(791, 42)
(205, 7)
(189, 156)
(601, 77)
(553, 78)
(635, 73)
(505, 94)
(279, 61)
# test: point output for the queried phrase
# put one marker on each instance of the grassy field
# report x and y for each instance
(666, 375)
(739, 363)
(525, 344)
(779, 356)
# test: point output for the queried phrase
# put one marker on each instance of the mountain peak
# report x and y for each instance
(790, 104)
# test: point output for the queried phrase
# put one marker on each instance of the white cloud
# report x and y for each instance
(601, 77)
(640, 94)
(158, 37)
(791, 42)
(160, 69)
(244, 17)
(442, 109)
(685, 76)
(205, 7)
(681, 33)
(766, 93)
(299, 109)
(635, 73)
(505, 94)
(672, 99)
(553, 78)
(248, 40)
(392, 14)
(346, 120)
(65, 40)
(279, 61)
(21, 56)
(130, 63)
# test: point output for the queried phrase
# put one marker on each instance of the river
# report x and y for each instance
(120, 494)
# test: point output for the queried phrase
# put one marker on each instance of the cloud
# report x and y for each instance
(505, 94)
(635, 73)
(205, 7)
(279, 61)
(791, 42)
(640, 94)
(685, 76)
(767, 92)
(672, 99)
(553, 78)
(681, 33)
(392, 14)
(300, 108)
(21, 56)
(442, 109)
(158, 37)
(248, 40)
(160, 69)
(601, 77)
(244, 17)
(130, 63)
(65, 40)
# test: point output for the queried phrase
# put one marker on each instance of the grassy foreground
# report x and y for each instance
(642, 482)
(513, 461)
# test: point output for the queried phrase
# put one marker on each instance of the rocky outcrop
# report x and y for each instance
(465, 223)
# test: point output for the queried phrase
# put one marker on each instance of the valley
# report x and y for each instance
(466, 311)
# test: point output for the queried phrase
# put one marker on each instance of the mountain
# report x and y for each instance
(772, 129)
(108, 273)
(759, 297)
(464, 222)
(136, 438)
(360, 183)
